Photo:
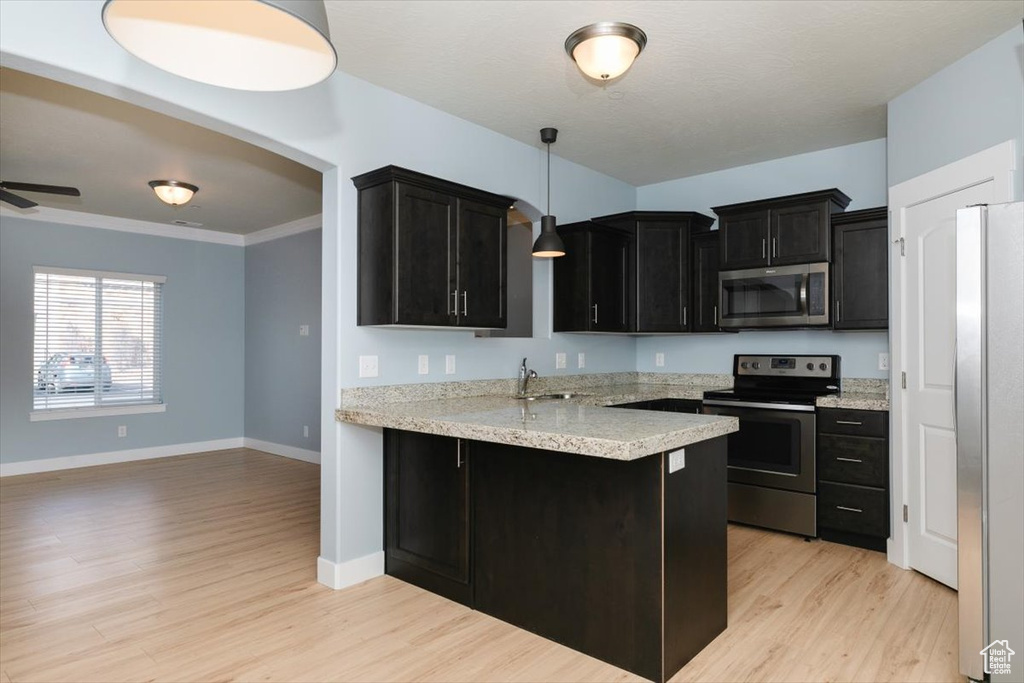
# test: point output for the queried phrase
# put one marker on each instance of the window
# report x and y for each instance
(98, 343)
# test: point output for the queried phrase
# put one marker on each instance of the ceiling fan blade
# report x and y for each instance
(17, 201)
(48, 189)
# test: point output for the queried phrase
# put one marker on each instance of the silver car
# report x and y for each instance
(72, 372)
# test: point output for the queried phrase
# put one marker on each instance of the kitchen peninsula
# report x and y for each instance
(602, 529)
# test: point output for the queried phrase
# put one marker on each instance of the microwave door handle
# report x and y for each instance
(804, 285)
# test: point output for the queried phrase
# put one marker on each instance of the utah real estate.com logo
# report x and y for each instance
(997, 657)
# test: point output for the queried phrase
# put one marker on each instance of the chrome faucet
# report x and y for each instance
(524, 378)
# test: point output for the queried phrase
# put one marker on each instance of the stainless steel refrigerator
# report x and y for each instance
(989, 415)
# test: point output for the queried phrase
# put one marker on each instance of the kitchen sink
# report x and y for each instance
(561, 396)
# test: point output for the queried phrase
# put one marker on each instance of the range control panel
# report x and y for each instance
(825, 367)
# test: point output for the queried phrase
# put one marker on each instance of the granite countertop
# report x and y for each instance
(580, 425)
(855, 400)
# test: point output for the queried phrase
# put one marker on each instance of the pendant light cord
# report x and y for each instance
(549, 178)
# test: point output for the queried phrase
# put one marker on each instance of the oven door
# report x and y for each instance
(774, 446)
(786, 296)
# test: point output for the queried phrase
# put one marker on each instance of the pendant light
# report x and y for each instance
(173, 192)
(548, 244)
(605, 50)
(260, 45)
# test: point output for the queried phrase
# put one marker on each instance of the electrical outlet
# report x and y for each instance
(423, 364)
(305, 431)
(303, 330)
(676, 460)
(581, 360)
(883, 361)
(122, 431)
(560, 361)
(449, 364)
(659, 359)
(367, 366)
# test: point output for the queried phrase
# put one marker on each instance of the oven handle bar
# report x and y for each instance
(771, 406)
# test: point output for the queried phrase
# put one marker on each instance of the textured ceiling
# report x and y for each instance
(720, 84)
(56, 134)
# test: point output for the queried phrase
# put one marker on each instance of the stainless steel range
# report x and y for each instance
(772, 456)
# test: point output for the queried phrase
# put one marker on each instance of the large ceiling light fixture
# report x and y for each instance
(262, 45)
(605, 50)
(173, 192)
(548, 244)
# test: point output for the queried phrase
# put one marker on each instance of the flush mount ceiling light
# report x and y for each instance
(605, 50)
(173, 192)
(548, 244)
(262, 45)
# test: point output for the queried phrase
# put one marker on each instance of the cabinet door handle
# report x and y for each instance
(454, 308)
(849, 459)
(764, 247)
(458, 453)
(838, 317)
(849, 422)
(716, 315)
(843, 507)
(465, 304)
(595, 313)
(775, 247)
(684, 316)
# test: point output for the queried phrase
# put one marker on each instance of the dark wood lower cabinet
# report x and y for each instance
(853, 477)
(624, 561)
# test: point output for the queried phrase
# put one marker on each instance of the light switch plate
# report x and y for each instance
(367, 366)
(303, 330)
(883, 361)
(423, 364)
(659, 359)
(305, 431)
(581, 360)
(449, 364)
(122, 431)
(676, 460)
(559, 361)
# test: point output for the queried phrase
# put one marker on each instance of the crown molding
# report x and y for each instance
(95, 220)
(284, 230)
(181, 232)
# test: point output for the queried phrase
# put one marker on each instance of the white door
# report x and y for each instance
(924, 332)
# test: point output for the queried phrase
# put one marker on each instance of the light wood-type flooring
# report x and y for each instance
(203, 567)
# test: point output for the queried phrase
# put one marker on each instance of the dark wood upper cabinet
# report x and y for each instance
(431, 252)
(659, 282)
(590, 281)
(780, 231)
(704, 247)
(426, 512)
(860, 270)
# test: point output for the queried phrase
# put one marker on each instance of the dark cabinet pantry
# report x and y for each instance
(781, 231)
(431, 252)
(860, 270)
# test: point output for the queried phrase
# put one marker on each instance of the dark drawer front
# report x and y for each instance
(677, 405)
(854, 422)
(853, 460)
(856, 509)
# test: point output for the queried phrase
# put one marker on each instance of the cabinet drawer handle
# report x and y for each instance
(764, 247)
(843, 507)
(595, 313)
(455, 298)
(849, 459)
(850, 422)
(465, 305)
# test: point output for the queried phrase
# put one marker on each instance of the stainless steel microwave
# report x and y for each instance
(782, 296)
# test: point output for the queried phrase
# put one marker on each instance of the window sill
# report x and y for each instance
(105, 411)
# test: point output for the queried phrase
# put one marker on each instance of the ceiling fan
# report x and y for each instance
(23, 203)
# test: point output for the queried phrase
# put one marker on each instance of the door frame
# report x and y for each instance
(997, 164)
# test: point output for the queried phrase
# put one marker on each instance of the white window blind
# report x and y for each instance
(98, 339)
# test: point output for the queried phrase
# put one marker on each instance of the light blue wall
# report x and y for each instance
(858, 170)
(282, 368)
(203, 338)
(969, 106)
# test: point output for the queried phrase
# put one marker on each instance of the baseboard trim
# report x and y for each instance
(338, 576)
(68, 462)
(282, 450)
